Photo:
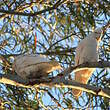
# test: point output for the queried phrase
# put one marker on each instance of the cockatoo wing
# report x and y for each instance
(26, 60)
(23, 61)
(34, 66)
(82, 77)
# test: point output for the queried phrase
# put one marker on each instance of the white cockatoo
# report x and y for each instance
(86, 52)
(34, 66)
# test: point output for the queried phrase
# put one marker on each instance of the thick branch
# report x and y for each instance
(83, 87)
(59, 81)
(58, 3)
(86, 65)
(13, 80)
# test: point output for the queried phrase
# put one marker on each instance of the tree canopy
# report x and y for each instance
(52, 28)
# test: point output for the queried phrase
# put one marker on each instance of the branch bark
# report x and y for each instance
(86, 65)
(60, 81)
(55, 6)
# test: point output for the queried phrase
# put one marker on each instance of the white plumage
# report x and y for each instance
(86, 52)
(34, 66)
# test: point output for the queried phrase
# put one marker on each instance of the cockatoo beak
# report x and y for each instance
(60, 68)
(98, 39)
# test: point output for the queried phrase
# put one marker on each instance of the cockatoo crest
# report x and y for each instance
(55, 66)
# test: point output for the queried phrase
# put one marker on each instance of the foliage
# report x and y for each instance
(59, 26)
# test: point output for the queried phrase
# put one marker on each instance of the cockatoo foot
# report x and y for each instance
(32, 83)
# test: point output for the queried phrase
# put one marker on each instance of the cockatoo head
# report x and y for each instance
(98, 34)
(55, 65)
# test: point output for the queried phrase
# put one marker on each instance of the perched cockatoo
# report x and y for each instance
(86, 52)
(34, 66)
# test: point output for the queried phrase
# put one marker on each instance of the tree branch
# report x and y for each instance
(86, 65)
(55, 6)
(60, 52)
(59, 81)
(84, 87)
(62, 40)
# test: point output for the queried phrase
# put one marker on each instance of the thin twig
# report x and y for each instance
(61, 40)
(54, 99)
